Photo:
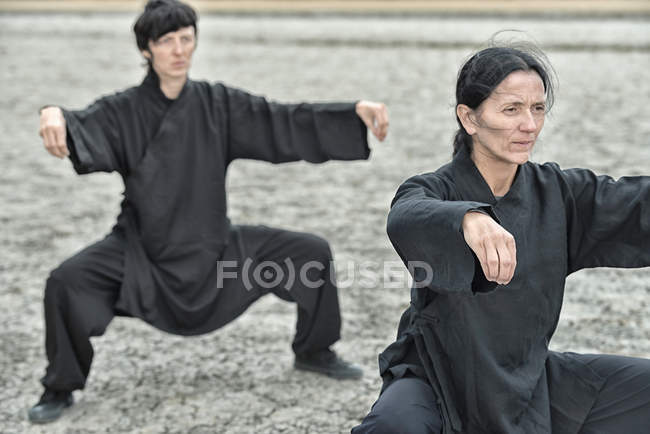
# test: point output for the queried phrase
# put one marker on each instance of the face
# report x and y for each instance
(505, 126)
(171, 54)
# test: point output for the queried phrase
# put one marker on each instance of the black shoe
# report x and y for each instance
(328, 363)
(50, 407)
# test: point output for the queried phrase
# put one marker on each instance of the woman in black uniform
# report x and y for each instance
(500, 235)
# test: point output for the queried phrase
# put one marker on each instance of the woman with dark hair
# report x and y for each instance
(173, 259)
(498, 236)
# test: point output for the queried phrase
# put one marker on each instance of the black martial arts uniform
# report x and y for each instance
(161, 261)
(472, 356)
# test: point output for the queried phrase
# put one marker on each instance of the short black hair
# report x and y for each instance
(160, 17)
(486, 69)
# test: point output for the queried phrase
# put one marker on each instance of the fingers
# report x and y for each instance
(61, 144)
(499, 258)
(49, 140)
(380, 123)
(491, 266)
(507, 261)
(52, 143)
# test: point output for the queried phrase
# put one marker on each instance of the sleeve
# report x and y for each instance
(608, 220)
(269, 131)
(425, 227)
(94, 139)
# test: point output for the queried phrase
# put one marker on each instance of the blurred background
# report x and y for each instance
(405, 53)
(556, 7)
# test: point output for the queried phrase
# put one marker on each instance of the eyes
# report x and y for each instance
(537, 109)
(169, 41)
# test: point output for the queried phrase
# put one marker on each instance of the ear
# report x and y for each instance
(146, 54)
(466, 116)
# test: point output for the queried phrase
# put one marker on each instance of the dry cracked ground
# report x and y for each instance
(239, 379)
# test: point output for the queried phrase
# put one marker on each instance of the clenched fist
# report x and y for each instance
(375, 116)
(493, 245)
(52, 130)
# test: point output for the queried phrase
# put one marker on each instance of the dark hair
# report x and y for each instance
(486, 69)
(160, 17)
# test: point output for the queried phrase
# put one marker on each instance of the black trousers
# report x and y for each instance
(408, 405)
(81, 293)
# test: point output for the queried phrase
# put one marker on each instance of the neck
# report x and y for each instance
(171, 87)
(499, 175)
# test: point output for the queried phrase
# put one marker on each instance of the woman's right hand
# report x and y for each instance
(52, 130)
(494, 246)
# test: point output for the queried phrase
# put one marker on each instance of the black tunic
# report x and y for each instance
(482, 346)
(173, 156)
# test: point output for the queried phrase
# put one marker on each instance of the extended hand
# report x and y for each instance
(494, 246)
(52, 130)
(375, 116)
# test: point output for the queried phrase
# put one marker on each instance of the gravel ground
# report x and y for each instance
(239, 379)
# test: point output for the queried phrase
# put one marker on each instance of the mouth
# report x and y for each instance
(524, 143)
(179, 64)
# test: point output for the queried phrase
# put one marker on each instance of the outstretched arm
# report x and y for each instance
(265, 130)
(91, 137)
(430, 229)
(608, 220)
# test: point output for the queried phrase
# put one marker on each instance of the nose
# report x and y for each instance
(178, 47)
(529, 123)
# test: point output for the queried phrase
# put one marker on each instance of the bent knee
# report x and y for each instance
(55, 287)
(408, 405)
(60, 281)
(64, 274)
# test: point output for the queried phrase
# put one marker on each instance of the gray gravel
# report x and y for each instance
(239, 379)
